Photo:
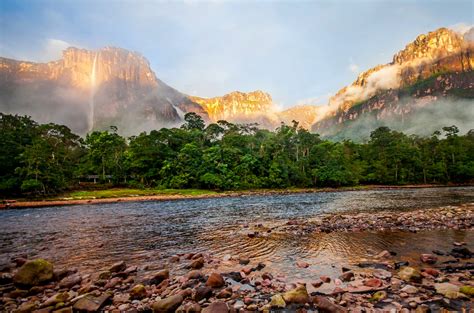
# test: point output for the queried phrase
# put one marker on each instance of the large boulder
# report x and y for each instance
(34, 272)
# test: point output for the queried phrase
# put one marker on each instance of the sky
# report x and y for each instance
(300, 52)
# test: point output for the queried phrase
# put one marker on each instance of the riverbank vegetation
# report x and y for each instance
(45, 159)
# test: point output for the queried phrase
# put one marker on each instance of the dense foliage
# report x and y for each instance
(46, 159)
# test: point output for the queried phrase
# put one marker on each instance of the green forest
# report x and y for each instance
(46, 159)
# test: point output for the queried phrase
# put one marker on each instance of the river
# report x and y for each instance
(91, 237)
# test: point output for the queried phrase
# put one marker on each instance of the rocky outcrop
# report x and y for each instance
(436, 66)
(236, 106)
(92, 90)
(305, 115)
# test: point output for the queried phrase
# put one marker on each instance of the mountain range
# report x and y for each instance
(429, 84)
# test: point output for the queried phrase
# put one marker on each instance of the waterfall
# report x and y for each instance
(92, 92)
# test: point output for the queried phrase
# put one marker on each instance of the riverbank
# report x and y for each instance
(139, 195)
(413, 279)
(195, 282)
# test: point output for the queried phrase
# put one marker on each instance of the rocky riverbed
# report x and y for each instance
(195, 282)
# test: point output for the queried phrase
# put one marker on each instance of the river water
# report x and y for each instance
(91, 237)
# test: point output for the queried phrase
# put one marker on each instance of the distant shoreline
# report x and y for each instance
(25, 203)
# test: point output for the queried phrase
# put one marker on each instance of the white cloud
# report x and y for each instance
(353, 67)
(461, 28)
(317, 100)
(52, 49)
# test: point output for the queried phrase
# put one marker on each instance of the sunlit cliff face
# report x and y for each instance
(236, 105)
(442, 50)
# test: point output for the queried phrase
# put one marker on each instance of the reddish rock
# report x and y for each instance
(428, 258)
(302, 264)
(325, 279)
(430, 271)
(215, 280)
(197, 264)
(216, 307)
(373, 282)
(118, 267)
(347, 276)
(325, 305)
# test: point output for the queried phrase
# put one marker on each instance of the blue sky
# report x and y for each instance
(298, 51)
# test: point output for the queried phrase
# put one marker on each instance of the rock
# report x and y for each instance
(5, 278)
(60, 274)
(428, 258)
(423, 309)
(401, 264)
(317, 284)
(215, 280)
(324, 305)
(64, 310)
(225, 293)
(90, 303)
(70, 281)
(410, 274)
(325, 279)
(131, 269)
(467, 290)
(237, 276)
(277, 302)
(299, 295)
(57, 298)
(189, 307)
(302, 264)
(34, 273)
(195, 274)
(17, 293)
(383, 255)
(113, 282)
(197, 264)
(244, 261)
(378, 296)
(381, 274)
(25, 307)
(347, 276)
(216, 307)
(431, 271)
(120, 298)
(202, 292)
(138, 292)
(373, 282)
(118, 267)
(448, 290)
(158, 277)
(104, 275)
(461, 252)
(409, 289)
(169, 304)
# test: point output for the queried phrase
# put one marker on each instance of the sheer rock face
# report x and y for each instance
(92, 90)
(442, 59)
(236, 105)
(305, 115)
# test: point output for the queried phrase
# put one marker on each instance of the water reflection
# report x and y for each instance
(92, 236)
